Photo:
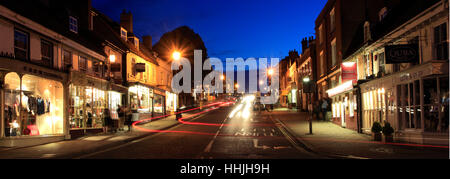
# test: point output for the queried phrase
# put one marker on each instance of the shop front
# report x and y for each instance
(159, 105)
(32, 99)
(141, 101)
(414, 101)
(171, 102)
(90, 100)
(88, 103)
(344, 105)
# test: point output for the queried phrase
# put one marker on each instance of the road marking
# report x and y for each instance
(210, 144)
(135, 141)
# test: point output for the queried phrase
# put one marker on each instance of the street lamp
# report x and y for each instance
(176, 55)
(307, 89)
(270, 72)
(112, 58)
(306, 80)
(222, 77)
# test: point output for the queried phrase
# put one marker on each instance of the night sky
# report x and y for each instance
(229, 28)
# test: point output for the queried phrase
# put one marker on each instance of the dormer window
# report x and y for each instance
(136, 42)
(123, 33)
(73, 24)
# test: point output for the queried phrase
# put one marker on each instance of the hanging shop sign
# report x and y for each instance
(402, 53)
(140, 67)
(349, 72)
(115, 67)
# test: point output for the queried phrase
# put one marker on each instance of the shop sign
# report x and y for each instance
(349, 71)
(411, 76)
(41, 73)
(140, 67)
(402, 53)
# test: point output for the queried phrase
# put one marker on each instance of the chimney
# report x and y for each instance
(147, 40)
(126, 21)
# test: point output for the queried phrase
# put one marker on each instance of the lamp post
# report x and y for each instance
(307, 88)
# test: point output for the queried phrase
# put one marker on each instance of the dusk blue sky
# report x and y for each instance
(229, 28)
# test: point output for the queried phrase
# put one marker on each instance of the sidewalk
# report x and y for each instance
(332, 140)
(88, 144)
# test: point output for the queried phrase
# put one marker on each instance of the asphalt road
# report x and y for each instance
(233, 132)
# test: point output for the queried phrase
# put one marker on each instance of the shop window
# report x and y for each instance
(95, 107)
(12, 102)
(158, 104)
(21, 44)
(41, 109)
(114, 101)
(444, 101)
(400, 109)
(140, 99)
(47, 52)
(431, 112)
(76, 105)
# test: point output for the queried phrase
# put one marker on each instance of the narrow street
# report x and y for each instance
(229, 132)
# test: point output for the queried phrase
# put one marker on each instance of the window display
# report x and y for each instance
(141, 99)
(158, 104)
(86, 107)
(33, 106)
(114, 101)
(171, 102)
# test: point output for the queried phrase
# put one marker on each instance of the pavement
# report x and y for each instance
(334, 141)
(87, 144)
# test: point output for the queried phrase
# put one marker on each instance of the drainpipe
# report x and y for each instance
(359, 108)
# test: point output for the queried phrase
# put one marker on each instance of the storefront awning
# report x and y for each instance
(347, 86)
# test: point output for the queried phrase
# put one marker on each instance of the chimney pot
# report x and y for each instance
(126, 21)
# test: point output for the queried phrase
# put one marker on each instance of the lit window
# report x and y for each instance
(73, 24)
(123, 34)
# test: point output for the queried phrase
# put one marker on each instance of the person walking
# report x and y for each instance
(121, 113)
(128, 119)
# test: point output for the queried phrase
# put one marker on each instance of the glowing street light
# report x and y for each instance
(270, 72)
(176, 55)
(237, 85)
(112, 58)
(222, 77)
(306, 80)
